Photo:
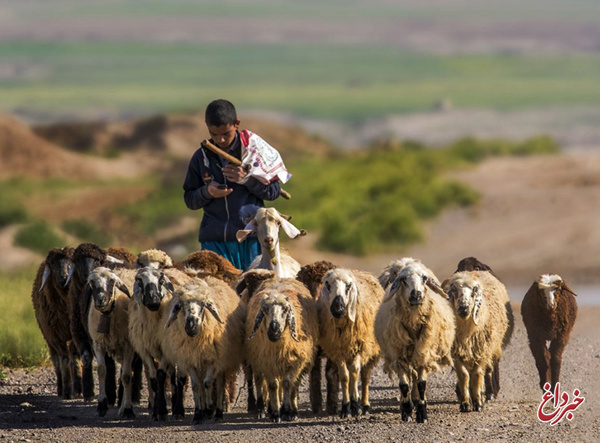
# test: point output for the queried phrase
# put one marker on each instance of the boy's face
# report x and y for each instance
(223, 135)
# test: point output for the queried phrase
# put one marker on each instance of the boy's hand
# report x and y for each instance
(216, 192)
(234, 173)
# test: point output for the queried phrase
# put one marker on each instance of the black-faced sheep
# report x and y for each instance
(347, 307)
(478, 299)
(415, 333)
(51, 305)
(311, 276)
(207, 347)
(492, 381)
(108, 327)
(266, 223)
(549, 311)
(282, 332)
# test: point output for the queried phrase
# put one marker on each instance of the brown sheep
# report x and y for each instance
(282, 331)
(492, 381)
(210, 263)
(549, 311)
(51, 305)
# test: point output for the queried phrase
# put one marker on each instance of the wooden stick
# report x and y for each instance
(231, 159)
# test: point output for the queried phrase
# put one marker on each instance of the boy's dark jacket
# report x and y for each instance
(223, 217)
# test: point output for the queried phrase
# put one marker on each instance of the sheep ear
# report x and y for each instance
(69, 276)
(242, 234)
(391, 290)
(324, 292)
(173, 315)
(287, 217)
(44, 278)
(352, 302)
(384, 278)
(123, 288)
(167, 284)
(564, 287)
(436, 288)
(214, 311)
(291, 230)
(477, 304)
(291, 322)
(257, 321)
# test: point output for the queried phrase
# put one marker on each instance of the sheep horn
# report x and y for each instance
(436, 288)
(69, 276)
(123, 288)
(168, 284)
(291, 321)
(45, 277)
(566, 288)
(257, 321)
(111, 259)
(213, 310)
(287, 217)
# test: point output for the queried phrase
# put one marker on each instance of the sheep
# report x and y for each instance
(311, 276)
(549, 311)
(392, 270)
(478, 300)
(51, 306)
(207, 347)
(206, 262)
(492, 381)
(107, 325)
(282, 333)
(347, 307)
(266, 223)
(151, 294)
(415, 334)
(154, 258)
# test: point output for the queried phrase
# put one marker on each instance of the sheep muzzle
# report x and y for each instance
(152, 297)
(338, 307)
(191, 327)
(274, 331)
(415, 298)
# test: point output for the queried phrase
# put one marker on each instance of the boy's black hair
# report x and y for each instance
(220, 112)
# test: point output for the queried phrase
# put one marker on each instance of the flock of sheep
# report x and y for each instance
(201, 318)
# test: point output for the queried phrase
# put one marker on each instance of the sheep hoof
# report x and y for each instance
(366, 410)
(260, 414)
(288, 414)
(465, 407)
(332, 408)
(407, 408)
(198, 417)
(345, 413)
(251, 404)
(178, 417)
(421, 413)
(218, 416)
(102, 407)
(276, 417)
(127, 414)
(355, 408)
(477, 407)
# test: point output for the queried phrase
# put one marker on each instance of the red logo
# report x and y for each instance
(561, 405)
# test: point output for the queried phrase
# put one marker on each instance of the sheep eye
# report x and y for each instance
(395, 284)
(348, 287)
(424, 279)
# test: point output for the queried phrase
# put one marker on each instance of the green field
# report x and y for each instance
(335, 82)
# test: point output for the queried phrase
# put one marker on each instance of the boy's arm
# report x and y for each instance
(196, 194)
(264, 192)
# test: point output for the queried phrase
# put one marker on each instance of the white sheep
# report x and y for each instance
(266, 223)
(392, 270)
(207, 347)
(282, 332)
(107, 325)
(478, 299)
(347, 307)
(415, 333)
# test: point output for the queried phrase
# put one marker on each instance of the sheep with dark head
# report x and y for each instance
(415, 330)
(51, 305)
(492, 381)
(266, 223)
(479, 304)
(549, 311)
(347, 306)
(282, 332)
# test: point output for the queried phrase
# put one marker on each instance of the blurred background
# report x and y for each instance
(439, 129)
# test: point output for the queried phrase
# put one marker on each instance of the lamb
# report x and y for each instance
(51, 305)
(415, 334)
(549, 311)
(347, 307)
(492, 381)
(207, 347)
(266, 223)
(107, 325)
(282, 333)
(201, 263)
(311, 276)
(478, 299)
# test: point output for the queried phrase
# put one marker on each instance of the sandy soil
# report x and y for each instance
(29, 411)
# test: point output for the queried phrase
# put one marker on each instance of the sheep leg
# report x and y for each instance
(111, 384)
(333, 387)
(287, 410)
(476, 389)
(542, 359)
(316, 396)
(65, 376)
(126, 409)
(421, 406)
(344, 374)
(75, 361)
(365, 380)
(87, 375)
(56, 365)
(496, 379)
(355, 408)
(261, 392)
(177, 394)
(210, 393)
(220, 404)
(274, 403)
(160, 403)
(463, 387)
(231, 390)
(199, 400)
(250, 383)
(406, 405)
(137, 381)
(557, 346)
(102, 400)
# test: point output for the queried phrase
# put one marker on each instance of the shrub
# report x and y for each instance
(39, 237)
(86, 231)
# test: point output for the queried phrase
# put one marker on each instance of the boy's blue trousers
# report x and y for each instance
(239, 254)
